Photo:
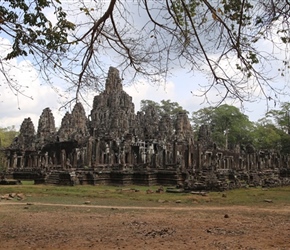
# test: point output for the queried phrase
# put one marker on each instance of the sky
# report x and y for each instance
(181, 88)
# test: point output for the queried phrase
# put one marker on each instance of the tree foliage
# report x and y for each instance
(165, 107)
(221, 38)
(266, 136)
(32, 30)
(228, 125)
(6, 138)
(203, 116)
(235, 125)
(281, 117)
(281, 121)
(146, 103)
(33, 35)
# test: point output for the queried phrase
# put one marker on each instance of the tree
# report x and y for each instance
(228, 125)
(281, 117)
(166, 107)
(171, 108)
(33, 36)
(281, 120)
(285, 143)
(266, 136)
(145, 103)
(203, 116)
(6, 138)
(150, 38)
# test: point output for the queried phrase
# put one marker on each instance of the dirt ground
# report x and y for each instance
(46, 226)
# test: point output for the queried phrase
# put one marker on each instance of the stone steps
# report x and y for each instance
(59, 178)
(53, 178)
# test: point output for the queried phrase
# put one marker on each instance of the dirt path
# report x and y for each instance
(284, 209)
(59, 226)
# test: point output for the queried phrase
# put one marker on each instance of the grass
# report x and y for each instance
(254, 196)
(137, 196)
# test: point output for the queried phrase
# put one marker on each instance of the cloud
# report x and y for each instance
(15, 107)
(143, 90)
(180, 89)
(33, 96)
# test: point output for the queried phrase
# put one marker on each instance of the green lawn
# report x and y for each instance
(137, 196)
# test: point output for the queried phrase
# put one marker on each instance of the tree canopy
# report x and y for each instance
(266, 136)
(77, 40)
(229, 126)
(165, 107)
(6, 137)
(281, 117)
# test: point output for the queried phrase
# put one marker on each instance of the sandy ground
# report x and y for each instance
(49, 226)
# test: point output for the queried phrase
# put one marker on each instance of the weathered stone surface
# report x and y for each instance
(66, 128)
(204, 136)
(46, 127)
(113, 112)
(26, 137)
(183, 127)
(74, 126)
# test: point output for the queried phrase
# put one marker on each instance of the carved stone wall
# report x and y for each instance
(66, 128)
(118, 146)
(113, 112)
(26, 137)
(74, 126)
(46, 127)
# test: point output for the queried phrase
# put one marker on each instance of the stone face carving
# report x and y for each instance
(66, 128)
(204, 136)
(148, 122)
(114, 82)
(26, 137)
(113, 112)
(74, 126)
(46, 127)
(115, 145)
(166, 128)
(183, 127)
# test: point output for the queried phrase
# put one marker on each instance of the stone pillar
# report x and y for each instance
(7, 163)
(63, 158)
(14, 160)
(46, 159)
(74, 158)
(29, 161)
(20, 158)
(89, 152)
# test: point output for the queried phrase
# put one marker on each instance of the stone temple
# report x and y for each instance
(114, 145)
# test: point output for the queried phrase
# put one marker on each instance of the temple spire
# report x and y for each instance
(113, 82)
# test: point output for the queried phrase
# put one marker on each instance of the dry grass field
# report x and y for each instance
(47, 217)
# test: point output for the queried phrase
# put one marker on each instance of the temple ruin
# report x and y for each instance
(114, 145)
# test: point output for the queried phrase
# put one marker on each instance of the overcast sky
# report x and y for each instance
(181, 88)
